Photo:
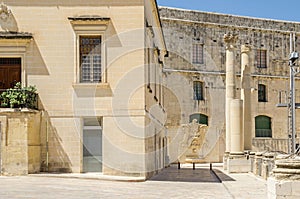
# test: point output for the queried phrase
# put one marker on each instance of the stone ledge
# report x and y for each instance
(18, 110)
(91, 176)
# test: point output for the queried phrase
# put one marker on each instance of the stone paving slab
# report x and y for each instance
(237, 186)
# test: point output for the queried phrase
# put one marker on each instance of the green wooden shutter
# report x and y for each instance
(263, 126)
(201, 119)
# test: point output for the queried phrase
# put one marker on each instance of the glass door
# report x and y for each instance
(92, 146)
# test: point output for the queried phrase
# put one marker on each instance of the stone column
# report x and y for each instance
(236, 127)
(246, 95)
(230, 41)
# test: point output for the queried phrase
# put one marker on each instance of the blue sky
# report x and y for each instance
(271, 9)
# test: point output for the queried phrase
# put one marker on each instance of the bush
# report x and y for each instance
(19, 97)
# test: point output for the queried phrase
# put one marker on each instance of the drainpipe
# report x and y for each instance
(47, 147)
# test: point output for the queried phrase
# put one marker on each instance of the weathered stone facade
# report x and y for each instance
(182, 29)
(114, 104)
(20, 141)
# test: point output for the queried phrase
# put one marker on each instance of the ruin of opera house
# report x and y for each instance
(126, 88)
(230, 73)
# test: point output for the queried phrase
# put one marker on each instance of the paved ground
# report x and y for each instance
(171, 183)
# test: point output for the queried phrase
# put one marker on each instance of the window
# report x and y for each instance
(261, 58)
(262, 93)
(263, 126)
(90, 59)
(198, 90)
(198, 54)
(201, 119)
(91, 31)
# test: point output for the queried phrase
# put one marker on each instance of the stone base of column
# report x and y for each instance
(283, 189)
(252, 158)
(267, 165)
(225, 159)
(285, 181)
(238, 163)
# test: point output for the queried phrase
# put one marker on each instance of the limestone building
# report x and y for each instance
(97, 67)
(195, 78)
(109, 99)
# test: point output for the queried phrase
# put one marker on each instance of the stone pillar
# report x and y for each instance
(285, 181)
(267, 165)
(257, 164)
(236, 127)
(237, 162)
(230, 41)
(246, 95)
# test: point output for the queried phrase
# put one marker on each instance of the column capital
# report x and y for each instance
(230, 40)
(246, 48)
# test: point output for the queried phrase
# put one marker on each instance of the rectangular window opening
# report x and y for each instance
(90, 59)
(198, 54)
(198, 90)
(261, 58)
(262, 93)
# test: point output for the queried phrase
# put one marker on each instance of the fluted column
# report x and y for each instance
(230, 41)
(246, 95)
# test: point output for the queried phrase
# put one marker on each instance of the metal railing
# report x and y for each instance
(18, 98)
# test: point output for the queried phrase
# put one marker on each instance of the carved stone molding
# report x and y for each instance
(230, 40)
(5, 12)
(245, 48)
(192, 142)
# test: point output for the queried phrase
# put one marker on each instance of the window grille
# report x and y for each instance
(261, 58)
(198, 54)
(198, 90)
(90, 59)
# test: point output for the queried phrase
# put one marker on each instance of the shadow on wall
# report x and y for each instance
(35, 61)
(182, 62)
(53, 156)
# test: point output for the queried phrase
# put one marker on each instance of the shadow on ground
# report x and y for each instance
(189, 175)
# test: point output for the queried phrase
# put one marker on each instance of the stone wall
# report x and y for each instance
(269, 144)
(20, 141)
(183, 28)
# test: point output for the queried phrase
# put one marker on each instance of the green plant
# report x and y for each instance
(19, 97)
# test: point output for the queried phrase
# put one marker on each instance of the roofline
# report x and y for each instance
(231, 15)
(160, 23)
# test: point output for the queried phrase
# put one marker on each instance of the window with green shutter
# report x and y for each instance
(201, 119)
(263, 126)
